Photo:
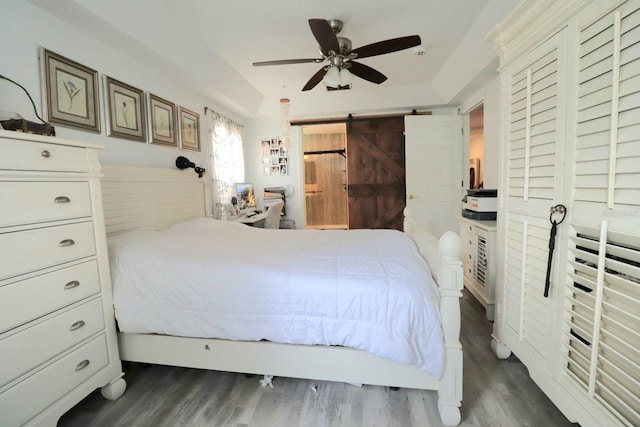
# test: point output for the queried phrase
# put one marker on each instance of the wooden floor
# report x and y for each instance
(496, 393)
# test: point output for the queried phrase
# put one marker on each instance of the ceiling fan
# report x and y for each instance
(337, 51)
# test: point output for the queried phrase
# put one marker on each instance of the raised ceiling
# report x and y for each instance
(213, 43)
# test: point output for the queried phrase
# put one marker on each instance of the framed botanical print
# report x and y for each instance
(163, 121)
(189, 130)
(71, 94)
(126, 112)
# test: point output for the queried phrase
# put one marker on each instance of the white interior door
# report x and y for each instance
(433, 152)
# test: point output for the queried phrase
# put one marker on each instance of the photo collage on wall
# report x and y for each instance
(275, 158)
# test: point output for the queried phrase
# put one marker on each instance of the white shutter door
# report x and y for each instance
(533, 186)
(602, 328)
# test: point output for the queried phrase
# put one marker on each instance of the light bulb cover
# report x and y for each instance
(345, 77)
(332, 77)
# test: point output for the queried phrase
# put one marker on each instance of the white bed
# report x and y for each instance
(406, 347)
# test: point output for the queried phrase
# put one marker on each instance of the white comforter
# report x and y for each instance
(366, 289)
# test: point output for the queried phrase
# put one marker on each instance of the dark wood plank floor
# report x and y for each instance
(496, 393)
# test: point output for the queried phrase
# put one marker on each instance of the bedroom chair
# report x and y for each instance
(272, 219)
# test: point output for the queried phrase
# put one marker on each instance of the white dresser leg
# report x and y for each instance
(114, 389)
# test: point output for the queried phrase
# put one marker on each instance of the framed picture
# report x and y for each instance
(189, 130)
(126, 113)
(162, 121)
(70, 95)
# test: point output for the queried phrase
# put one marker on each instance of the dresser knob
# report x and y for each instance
(46, 154)
(76, 325)
(61, 199)
(66, 242)
(80, 366)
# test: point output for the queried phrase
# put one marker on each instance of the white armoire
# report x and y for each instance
(570, 96)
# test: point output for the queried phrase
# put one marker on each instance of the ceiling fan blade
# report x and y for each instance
(288, 61)
(315, 79)
(325, 36)
(387, 46)
(366, 72)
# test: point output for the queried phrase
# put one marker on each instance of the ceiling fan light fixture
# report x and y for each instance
(345, 77)
(332, 77)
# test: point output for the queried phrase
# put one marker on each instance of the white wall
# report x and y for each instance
(254, 132)
(26, 28)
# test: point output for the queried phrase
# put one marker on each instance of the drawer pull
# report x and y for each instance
(66, 242)
(61, 199)
(80, 366)
(77, 325)
(72, 284)
(46, 154)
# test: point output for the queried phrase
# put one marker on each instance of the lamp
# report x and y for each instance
(184, 163)
(332, 77)
(337, 76)
(345, 76)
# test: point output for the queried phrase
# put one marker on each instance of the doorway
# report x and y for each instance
(476, 148)
(325, 176)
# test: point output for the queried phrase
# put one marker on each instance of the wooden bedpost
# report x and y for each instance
(443, 257)
(450, 280)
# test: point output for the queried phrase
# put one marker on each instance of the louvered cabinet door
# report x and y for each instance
(533, 160)
(602, 319)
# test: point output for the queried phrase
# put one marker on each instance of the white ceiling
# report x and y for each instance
(212, 44)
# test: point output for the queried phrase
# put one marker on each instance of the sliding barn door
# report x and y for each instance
(602, 327)
(532, 184)
(376, 173)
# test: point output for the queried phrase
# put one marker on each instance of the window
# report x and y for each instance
(227, 159)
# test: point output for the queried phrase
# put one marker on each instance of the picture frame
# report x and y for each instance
(70, 92)
(162, 121)
(189, 129)
(126, 110)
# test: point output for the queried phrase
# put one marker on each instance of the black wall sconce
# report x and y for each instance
(184, 163)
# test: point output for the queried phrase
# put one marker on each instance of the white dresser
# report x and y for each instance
(57, 329)
(479, 257)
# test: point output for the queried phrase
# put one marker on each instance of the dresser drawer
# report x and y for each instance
(31, 202)
(38, 156)
(468, 268)
(25, 251)
(26, 399)
(23, 301)
(31, 347)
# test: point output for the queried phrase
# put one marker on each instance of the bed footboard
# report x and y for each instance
(443, 257)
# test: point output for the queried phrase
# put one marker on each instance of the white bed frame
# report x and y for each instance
(153, 198)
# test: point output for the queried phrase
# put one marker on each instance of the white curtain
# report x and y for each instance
(227, 159)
